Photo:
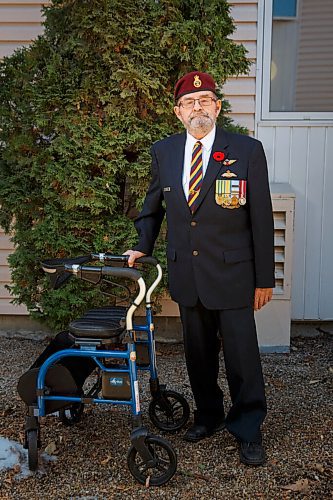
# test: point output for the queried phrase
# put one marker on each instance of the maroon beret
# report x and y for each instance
(194, 82)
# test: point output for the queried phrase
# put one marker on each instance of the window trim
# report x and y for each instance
(265, 23)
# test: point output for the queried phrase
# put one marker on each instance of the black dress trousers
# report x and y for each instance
(203, 331)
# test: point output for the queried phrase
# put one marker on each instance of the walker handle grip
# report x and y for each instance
(147, 259)
(118, 272)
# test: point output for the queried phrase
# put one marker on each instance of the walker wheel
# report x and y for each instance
(163, 468)
(170, 412)
(71, 415)
(32, 445)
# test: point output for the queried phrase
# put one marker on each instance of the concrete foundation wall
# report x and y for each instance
(168, 329)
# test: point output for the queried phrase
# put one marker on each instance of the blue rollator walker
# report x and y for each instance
(117, 348)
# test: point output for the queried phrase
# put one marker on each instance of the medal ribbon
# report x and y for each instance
(242, 189)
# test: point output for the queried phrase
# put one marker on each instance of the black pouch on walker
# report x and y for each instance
(116, 385)
(58, 380)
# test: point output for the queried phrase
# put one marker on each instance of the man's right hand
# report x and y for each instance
(133, 255)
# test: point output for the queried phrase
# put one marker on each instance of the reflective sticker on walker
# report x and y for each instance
(136, 394)
(116, 382)
(154, 344)
(133, 356)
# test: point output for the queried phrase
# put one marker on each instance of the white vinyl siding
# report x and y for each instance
(301, 155)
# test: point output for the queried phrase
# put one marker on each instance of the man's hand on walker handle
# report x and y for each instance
(261, 297)
(133, 255)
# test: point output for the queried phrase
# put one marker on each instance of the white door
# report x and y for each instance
(294, 120)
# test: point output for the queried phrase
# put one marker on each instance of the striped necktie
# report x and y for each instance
(196, 176)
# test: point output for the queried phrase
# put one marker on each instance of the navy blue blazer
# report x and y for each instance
(217, 254)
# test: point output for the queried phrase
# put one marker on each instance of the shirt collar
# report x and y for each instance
(207, 141)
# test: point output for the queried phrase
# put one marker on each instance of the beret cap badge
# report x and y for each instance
(197, 82)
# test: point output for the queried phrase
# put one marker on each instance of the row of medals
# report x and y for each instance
(225, 197)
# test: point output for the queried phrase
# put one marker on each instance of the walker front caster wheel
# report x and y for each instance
(71, 415)
(31, 438)
(157, 471)
(170, 411)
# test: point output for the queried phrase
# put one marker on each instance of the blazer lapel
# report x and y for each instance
(178, 165)
(213, 167)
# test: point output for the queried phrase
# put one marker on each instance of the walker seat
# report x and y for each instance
(93, 329)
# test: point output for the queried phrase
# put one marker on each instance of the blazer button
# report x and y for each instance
(193, 223)
(195, 253)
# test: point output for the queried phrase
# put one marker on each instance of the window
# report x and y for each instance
(298, 58)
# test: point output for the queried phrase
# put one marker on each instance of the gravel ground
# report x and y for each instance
(91, 457)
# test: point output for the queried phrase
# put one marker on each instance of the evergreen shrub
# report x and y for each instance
(79, 110)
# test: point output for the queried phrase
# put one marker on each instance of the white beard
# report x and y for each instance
(201, 123)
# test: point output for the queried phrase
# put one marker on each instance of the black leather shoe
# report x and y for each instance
(251, 453)
(198, 432)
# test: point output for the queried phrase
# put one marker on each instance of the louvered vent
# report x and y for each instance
(279, 248)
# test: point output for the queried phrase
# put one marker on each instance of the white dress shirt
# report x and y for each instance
(207, 144)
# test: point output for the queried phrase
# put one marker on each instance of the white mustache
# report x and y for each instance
(199, 116)
(206, 115)
(193, 119)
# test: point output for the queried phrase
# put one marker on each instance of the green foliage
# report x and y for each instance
(79, 110)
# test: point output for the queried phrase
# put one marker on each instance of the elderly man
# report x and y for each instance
(220, 258)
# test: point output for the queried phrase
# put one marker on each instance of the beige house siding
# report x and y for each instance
(6, 307)
(240, 92)
(20, 23)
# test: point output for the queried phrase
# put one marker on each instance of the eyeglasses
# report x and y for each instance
(204, 102)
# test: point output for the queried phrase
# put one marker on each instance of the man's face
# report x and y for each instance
(198, 112)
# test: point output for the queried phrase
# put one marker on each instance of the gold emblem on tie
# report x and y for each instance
(228, 174)
(197, 82)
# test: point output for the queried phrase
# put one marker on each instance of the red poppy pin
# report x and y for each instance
(218, 156)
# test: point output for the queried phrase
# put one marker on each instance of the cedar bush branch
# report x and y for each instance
(79, 110)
